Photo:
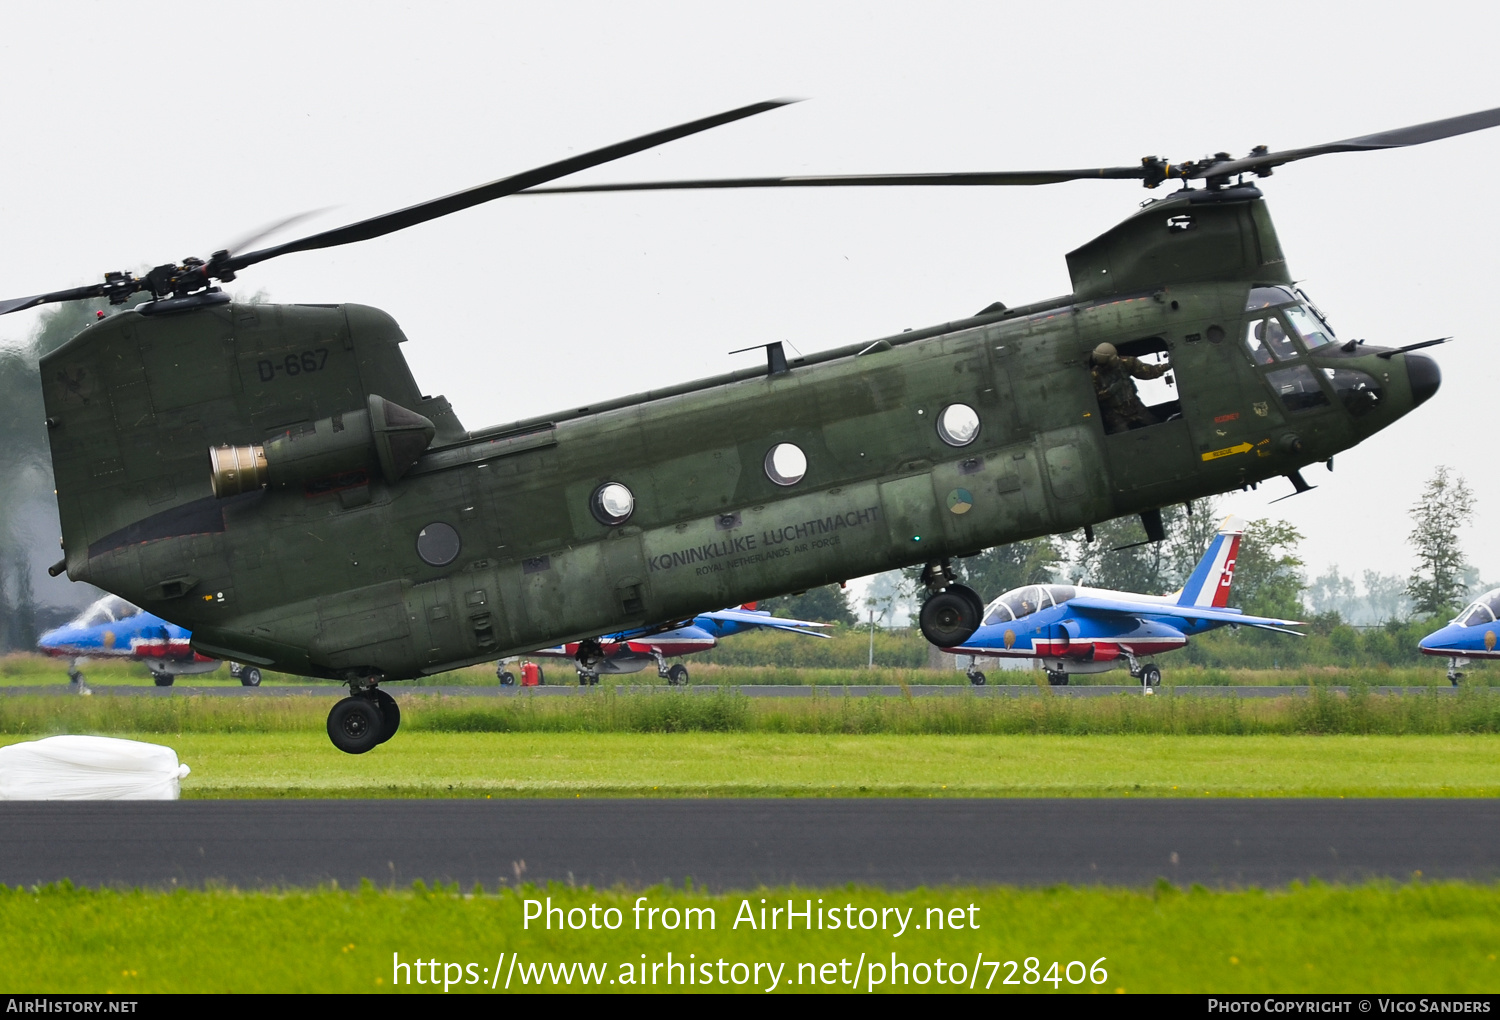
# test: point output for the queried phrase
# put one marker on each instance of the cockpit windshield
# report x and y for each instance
(110, 609)
(1022, 602)
(1484, 610)
(1313, 331)
(1268, 297)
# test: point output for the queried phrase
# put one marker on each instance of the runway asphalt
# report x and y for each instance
(736, 844)
(333, 690)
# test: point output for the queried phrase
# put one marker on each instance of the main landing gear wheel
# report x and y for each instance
(677, 675)
(390, 713)
(1056, 679)
(355, 725)
(1150, 676)
(951, 616)
(507, 678)
(249, 676)
(162, 679)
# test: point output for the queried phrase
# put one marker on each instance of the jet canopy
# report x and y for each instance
(1482, 612)
(109, 609)
(1021, 602)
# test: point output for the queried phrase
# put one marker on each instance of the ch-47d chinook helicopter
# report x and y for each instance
(272, 478)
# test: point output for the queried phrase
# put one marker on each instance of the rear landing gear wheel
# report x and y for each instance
(390, 713)
(951, 616)
(163, 679)
(355, 725)
(1056, 678)
(677, 675)
(249, 676)
(507, 678)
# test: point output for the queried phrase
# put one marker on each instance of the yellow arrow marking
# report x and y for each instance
(1228, 451)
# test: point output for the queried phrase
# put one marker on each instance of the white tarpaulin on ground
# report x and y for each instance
(89, 768)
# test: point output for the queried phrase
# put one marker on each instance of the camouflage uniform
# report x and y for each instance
(1118, 399)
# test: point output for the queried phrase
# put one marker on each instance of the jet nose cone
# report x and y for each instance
(1425, 377)
(1443, 638)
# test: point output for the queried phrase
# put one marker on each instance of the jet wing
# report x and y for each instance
(754, 618)
(737, 619)
(1121, 607)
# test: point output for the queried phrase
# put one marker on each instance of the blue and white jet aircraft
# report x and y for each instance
(1092, 630)
(633, 650)
(114, 629)
(1471, 635)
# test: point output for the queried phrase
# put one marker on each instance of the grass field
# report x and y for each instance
(1323, 712)
(678, 745)
(1374, 938)
(24, 670)
(303, 764)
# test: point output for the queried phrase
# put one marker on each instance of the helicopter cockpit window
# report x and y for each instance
(1297, 388)
(1268, 297)
(1313, 332)
(1357, 391)
(1267, 342)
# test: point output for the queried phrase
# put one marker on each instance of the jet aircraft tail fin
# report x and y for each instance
(1209, 583)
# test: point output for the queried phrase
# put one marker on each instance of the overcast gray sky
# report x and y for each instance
(137, 139)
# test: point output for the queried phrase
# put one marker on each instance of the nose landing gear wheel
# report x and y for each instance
(977, 678)
(677, 675)
(507, 678)
(355, 725)
(1150, 677)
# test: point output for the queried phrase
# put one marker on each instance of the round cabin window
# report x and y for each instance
(958, 425)
(786, 464)
(438, 544)
(613, 503)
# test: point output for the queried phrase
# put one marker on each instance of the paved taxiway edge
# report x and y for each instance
(746, 843)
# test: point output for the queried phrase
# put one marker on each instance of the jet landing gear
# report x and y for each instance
(1454, 674)
(589, 656)
(364, 720)
(75, 677)
(248, 676)
(676, 675)
(952, 612)
(1148, 674)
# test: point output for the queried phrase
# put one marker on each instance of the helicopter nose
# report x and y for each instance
(1425, 377)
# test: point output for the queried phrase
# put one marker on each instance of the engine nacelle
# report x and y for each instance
(383, 436)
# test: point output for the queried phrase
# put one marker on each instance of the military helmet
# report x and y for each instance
(1104, 354)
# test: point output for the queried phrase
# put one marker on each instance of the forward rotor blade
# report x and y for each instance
(77, 293)
(976, 178)
(1417, 134)
(270, 228)
(399, 220)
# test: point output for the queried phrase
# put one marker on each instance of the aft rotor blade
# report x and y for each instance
(401, 219)
(1417, 134)
(975, 178)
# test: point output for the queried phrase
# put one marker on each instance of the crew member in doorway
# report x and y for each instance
(1113, 385)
